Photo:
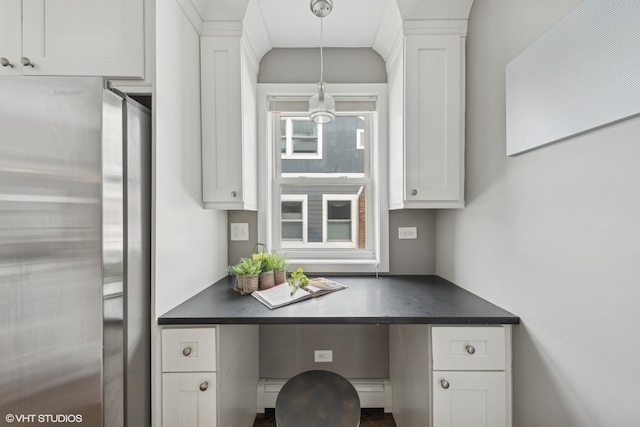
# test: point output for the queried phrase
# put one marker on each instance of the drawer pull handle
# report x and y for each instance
(26, 62)
(470, 349)
(414, 192)
(5, 62)
(234, 194)
(204, 386)
(186, 351)
(444, 383)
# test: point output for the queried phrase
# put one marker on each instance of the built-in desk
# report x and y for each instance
(449, 350)
(384, 300)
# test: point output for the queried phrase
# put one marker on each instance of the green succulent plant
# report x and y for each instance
(245, 266)
(278, 262)
(264, 259)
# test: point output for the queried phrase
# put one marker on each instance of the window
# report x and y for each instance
(325, 205)
(294, 217)
(340, 219)
(300, 138)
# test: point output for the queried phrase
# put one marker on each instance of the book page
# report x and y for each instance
(280, 295)
(322, 284)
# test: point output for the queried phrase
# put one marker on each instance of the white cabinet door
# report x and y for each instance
(229, 147)
(434, 121)
(185, 403)
(84, 37)
(11, 37)
(469, 399)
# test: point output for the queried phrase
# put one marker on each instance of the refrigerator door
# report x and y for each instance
(137, 264)
(113, 258)
(51, 270)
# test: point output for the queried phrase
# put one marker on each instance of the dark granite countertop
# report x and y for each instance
(367, 300)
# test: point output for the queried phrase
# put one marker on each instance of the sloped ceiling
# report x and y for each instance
(352, 23)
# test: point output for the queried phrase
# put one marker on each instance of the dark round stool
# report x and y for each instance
(318, 399)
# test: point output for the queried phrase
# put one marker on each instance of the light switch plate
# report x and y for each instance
(407, 232)
(239, 231)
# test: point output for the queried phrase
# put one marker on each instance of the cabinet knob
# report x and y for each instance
(26, 62)
(444, 383)
(470, 349)
(234, 194)
(204, 386)
(414, 192)
(186, 351)
(5, 62)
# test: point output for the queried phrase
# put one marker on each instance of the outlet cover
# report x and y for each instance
(239, 231)
(323, 356)
(407, 232)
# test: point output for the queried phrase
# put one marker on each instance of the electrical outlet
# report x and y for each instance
(239, 231)
(407, 232)
(323, 356)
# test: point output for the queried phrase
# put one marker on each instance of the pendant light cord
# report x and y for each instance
(321, 58)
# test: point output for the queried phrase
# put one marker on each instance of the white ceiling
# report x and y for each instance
(290, 23)
(352, 23)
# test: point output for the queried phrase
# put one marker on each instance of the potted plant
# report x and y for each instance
(266, 269)
(246, 271)
(279, 265)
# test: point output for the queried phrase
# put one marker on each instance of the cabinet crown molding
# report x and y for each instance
(222, 28)
(435, 27)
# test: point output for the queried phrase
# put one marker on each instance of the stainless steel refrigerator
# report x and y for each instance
(74, 254)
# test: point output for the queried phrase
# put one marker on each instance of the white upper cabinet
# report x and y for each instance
(73, 37)
(229, 115)
(10, 37)
(427, 101)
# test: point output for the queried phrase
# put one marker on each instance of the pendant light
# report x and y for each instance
(322, 107)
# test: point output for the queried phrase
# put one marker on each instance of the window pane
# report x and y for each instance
(340, 230)
(305, 145)
(336, 147)
(291, 230)
(339, 209)
(304, 127)
(291, 210)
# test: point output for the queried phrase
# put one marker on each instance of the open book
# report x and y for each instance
(280, 295)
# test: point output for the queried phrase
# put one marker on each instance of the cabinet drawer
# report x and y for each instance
(468, 348)
(189, 350)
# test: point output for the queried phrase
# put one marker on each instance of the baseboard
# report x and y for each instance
(373, 392)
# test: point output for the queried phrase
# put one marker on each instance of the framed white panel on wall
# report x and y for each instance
(579, 76)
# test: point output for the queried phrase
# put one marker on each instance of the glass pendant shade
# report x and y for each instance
(322, 107)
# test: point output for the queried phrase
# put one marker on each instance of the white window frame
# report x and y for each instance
(289, 153)
(353, 198)
(360, 139)
(327, 260)
(305, 224)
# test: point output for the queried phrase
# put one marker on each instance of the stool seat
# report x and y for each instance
(318, 399)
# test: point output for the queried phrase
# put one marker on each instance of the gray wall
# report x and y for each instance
(405, 256)
(341, 65)
(360, 351)
(551, 235)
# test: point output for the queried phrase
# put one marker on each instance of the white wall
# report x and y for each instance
(190, 242)
(552, 235)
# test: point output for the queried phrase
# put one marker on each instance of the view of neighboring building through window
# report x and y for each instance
(323, 180)
(322, 196)
(300, 138)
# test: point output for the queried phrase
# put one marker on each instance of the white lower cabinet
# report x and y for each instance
(453, 376)
(469, 399)
(189, 399)
(469, 376)
(209, 376)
